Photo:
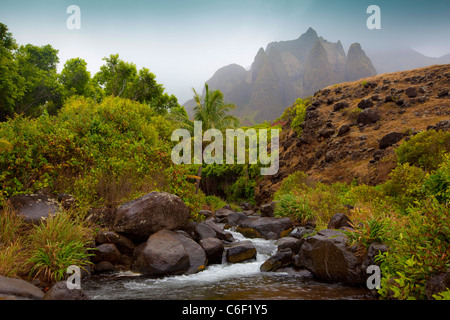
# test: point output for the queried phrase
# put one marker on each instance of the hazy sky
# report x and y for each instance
(185, 41)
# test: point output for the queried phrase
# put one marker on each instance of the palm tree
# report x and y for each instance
(212, 111)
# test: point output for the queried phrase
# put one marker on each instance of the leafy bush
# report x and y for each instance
(405, 185)
(297, 208)
(295, 182)
(425, 150)
(58, 243)
(419, 247)
(297, 112)
(438, 183)
(214, 202)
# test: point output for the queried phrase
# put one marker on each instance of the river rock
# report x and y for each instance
(280, 259)
(122, 243)
(240, 252)
(13, 289)
(197, 256)
(220, 233)
(107, 252)
(329, 258)
(265, 227)
(203, 231)
(235, 218)
(35, 207)
(214, 249)
(289, 243)
(140, 218)
(221, 214)
(163, 254)
(59, 291)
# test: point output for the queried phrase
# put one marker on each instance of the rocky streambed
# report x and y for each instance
(147, 249)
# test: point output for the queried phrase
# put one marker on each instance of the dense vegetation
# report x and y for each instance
(409, 213)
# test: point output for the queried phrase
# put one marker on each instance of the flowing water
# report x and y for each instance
(240, 281)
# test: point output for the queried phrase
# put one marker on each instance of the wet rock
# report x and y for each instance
(59, 291)
(265, 227)
(35, 207)
(214, 249)
(268, 209)
(338, 221)
(11, 288)
(390, 139)
(280, 259)
(140, 218)
(301, 232)
(196, 254)
(328, 257)
(163, 254)
(240, 252)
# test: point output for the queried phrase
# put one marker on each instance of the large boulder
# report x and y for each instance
(34, 207)
(368, 116)
(221, 214)
(140, 218)
(265, 227)
(106, 252)
(197, 256)
(329, 258)
(267, 210)
(163, 254)
(390, 139)
(220, 233)
(16, 289)
(168, 253)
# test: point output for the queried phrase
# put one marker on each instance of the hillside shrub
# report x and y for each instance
(425, 150)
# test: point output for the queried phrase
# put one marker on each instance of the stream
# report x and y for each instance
(240, 281)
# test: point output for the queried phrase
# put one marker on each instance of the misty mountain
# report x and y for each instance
(403, 59)
(285, 71)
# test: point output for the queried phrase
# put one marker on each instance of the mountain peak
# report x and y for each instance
(310, 33)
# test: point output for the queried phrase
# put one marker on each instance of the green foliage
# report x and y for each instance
(438, 183)
(298, 208)
(214, 202)
(425, 150)
(76, 79)
(58, 243)
(367, 231)
(419, 247)
(445, 295)
(297, 113)
(405, 185)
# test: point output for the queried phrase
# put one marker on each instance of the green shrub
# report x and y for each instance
(57, 243)
(297, 112)
(438, 183)
(425, 150)
(297, 208)
(419, 247)
(295, 182)
(214, 202)
(404, 185)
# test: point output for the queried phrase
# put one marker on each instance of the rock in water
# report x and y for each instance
(265, 227)
(329, 258)
(162, 255)
(140, 218)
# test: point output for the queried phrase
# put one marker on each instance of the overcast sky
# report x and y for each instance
(185, 41)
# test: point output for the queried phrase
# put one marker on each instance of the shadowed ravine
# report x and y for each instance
(241, 281)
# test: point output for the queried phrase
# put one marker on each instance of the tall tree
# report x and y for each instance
(11, 83)
(76, 79)
(213, 112)
(37, 65)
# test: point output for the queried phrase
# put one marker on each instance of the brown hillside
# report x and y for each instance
(341, 143)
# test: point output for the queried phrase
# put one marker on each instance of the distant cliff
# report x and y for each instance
(285, 71)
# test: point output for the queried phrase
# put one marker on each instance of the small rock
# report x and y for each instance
(339, 220)
(241, 252)
(214, 250)
(411, 92)
(365, 104)
(267, 210)
(59, 291)
(390, 139)
(368, 116)
(280, 259)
